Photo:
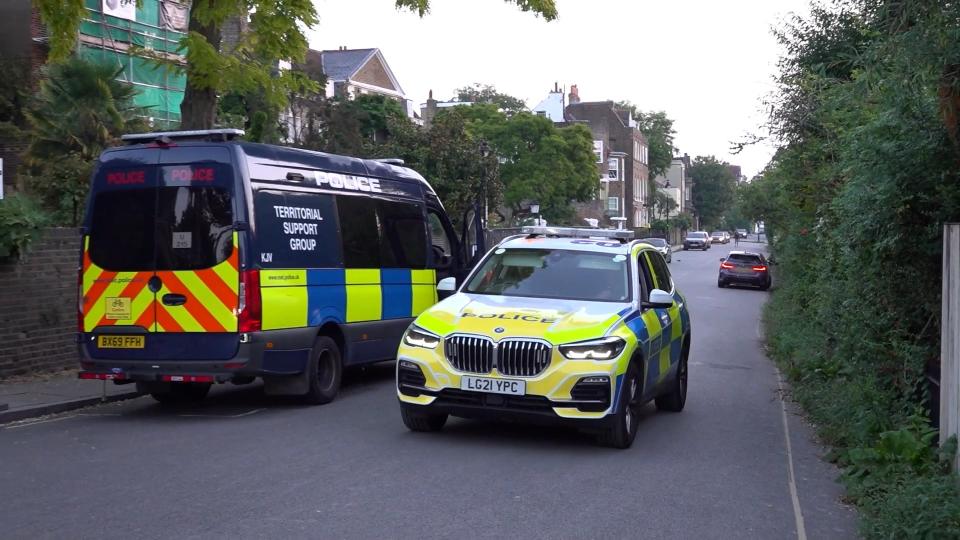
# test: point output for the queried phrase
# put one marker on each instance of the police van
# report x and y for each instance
(207, 259)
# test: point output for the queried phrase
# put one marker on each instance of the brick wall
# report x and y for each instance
(38, 298)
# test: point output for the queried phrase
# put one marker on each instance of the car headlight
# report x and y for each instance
(418, 337)
(596, 349)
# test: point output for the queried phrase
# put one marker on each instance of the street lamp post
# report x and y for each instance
(535, 210)
(485, 153)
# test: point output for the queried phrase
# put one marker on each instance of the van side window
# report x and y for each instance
(360, 231)
(403, 242)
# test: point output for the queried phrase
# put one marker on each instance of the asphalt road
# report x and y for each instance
(247, 466)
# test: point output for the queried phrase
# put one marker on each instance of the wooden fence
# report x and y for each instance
(950, 337)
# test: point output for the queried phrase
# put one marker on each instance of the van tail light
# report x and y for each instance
(760, 268)
(726, 266)
(251, 313)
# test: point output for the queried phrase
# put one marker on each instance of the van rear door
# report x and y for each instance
(164, 220)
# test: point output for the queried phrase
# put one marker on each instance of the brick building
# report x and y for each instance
(622, 158)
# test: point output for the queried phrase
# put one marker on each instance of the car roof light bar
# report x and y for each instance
(225, 134)
(578, 232)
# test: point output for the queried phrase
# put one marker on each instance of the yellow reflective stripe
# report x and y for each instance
(355, 276)
(229, 276)
(664, 362)
(141, 303)
(284, 278)
(652, 322)
(423, 277)
(179, 314)
(199, 290)
(284, 307)
(424, 296)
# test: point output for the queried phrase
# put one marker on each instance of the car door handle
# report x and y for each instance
(174, 299)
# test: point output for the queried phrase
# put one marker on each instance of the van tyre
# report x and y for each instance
(676, 397)
(324, 372)
(418, 420)
(181, 394)
(623, 430)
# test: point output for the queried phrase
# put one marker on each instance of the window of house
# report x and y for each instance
(598, 150)
(613, 168)
(613, 204)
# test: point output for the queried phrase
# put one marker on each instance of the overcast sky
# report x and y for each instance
(708, 64)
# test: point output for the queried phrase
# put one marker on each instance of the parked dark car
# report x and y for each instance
(696, 240)
(744, 268)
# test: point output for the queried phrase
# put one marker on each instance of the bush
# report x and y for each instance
(61, 185)
(21, 218)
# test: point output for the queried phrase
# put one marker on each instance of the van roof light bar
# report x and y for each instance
(225, 134)
(579, 232)
(391, 161)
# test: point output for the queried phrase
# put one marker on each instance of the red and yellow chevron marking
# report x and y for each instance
(212, 297)
(101, 286)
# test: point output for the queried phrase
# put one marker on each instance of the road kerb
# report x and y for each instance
(62, 406)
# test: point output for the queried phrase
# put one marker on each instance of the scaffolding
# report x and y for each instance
(147, 53)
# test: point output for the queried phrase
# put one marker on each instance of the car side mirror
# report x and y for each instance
(659, 299)
(447, 285)
(722, 259)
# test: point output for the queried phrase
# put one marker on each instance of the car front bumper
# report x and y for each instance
(558, 394)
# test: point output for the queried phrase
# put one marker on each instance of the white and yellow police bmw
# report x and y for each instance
(581, 326)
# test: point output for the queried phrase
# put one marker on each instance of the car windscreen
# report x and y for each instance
(563, 274)
(716, 233)
(655, 242)
(697, 235)
(166, 228)
(744, 258)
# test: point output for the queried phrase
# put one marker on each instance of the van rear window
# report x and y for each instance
(167, 228)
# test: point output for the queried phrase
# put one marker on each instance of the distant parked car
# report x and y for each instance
(696, 240)
(741, 233)
(661, 245)
(746, 268)
(718, 237)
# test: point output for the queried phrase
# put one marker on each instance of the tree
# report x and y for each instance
(486, 93)
(663, 204)
(539, 161)
(713, 189)
(449, 156)
(353, 126)
(277, 33)
(81, 108)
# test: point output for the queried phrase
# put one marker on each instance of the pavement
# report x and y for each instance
(55, 393)
(738, 462)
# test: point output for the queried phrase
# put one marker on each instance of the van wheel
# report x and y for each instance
(623, 430)
(325, 372)
(183, 394)
(421, 421)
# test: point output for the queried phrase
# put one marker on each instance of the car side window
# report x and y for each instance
(660, 271)
(644, 278)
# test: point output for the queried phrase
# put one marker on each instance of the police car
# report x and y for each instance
(579, 326)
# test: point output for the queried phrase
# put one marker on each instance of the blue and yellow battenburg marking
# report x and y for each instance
(312, 297)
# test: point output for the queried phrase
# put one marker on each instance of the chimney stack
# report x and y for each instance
(574, 94)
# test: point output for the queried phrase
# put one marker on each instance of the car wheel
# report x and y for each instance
(765, 286)
(676, 398)
(183, 394)
(418, 420)
(684, 248)
(624, 429)
(721, 283)
(325, 371)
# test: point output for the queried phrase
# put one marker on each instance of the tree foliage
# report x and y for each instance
(486, 93)
(713, 189)
(277, 33)
(539, 161)
(82, 108)
(867, 172)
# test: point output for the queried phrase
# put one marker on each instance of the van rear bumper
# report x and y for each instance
(272, 352)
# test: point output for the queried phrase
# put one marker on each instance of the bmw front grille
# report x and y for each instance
(512, 357)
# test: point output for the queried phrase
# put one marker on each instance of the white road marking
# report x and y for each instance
(797, 513)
